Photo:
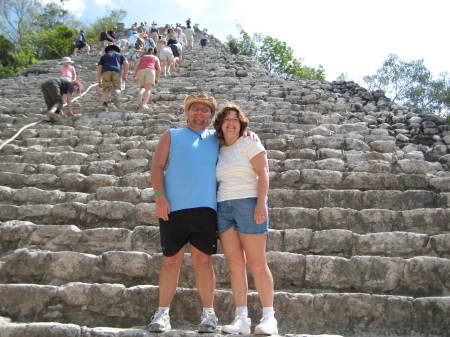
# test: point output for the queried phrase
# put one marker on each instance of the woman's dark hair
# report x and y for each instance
(151, 51)
(223, 113)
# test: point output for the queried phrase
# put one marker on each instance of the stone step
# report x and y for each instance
(329, 179)
(282, 157)
(81, 210)
(429, 221)
(38, 329)
(59, 184)
(349, 152)
(114, 305)
(396, 200)
(113, 160)
(334, 242)
(417, 276)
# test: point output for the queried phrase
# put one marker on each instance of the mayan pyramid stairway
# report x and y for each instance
(359, 207)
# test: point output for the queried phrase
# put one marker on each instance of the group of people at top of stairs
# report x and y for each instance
(209, 183)
(145, 50)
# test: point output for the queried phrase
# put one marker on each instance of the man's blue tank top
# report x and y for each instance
(190, 178)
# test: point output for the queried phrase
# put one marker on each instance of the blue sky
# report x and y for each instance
(345, 36)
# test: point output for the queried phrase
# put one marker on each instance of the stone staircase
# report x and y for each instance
(359, 207)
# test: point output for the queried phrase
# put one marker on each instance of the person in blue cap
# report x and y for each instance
(80, 43)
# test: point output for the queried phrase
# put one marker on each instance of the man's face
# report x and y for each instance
(199, 115)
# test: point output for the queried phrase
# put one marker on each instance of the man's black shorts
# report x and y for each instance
(198, 226)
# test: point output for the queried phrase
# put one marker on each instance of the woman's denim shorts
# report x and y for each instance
(239, 213)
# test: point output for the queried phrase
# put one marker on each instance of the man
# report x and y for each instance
(186, 206)
(53, 90)
(80, 43)
(109, 74)
(189, 33)
(112, 37)
(103, 41)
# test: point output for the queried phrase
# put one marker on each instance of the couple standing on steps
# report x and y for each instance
(110, 77)
(190, 211)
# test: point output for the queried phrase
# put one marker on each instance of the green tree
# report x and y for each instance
(411, 84)
(433, 97)
(110, 20)
(399, 78)
(274, 54)
(297, 70)
(17, 17)
(343, 77)
(245, 45)
(6, 47)
(6, 59)
(23, 55)
(54, 43)
(52, 15)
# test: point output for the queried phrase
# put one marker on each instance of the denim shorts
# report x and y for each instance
(239, 213)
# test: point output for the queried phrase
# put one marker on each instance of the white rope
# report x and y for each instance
(41, 120)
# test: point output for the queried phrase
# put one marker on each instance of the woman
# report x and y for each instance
(243, 175)
(167, 58)
(145, 71)
(204, 36)
(170, 36)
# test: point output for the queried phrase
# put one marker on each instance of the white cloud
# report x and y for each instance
(195, 7)
(76, 7)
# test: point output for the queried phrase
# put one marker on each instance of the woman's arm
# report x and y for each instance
(135, 70)
(158, 70)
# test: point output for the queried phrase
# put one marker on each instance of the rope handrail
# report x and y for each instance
(41, 120)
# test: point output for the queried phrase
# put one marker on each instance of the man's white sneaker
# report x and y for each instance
(241, 324)
(209, 322)
(267, 326)
(160, 322)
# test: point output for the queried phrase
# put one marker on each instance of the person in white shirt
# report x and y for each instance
(189, 33)
(242, 174)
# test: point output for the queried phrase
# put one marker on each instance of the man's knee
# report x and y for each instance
(173, 262)
(201, 260)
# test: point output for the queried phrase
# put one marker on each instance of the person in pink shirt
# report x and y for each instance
(67, 71)
(147, 72)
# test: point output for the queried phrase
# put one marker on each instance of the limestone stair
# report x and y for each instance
(359, 207)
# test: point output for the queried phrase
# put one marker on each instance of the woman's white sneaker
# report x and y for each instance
(267, 326)
(241, 324)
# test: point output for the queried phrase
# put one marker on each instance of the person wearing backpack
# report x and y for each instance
(80, 43)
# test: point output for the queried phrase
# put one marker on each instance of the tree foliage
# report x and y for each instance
(17, 18)
(110, 20)
(274, 54)
(245, 45)
(411, 84)
(31, 31)
(52, 15)
(54, 43)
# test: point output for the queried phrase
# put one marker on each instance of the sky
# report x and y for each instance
(351, 37)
